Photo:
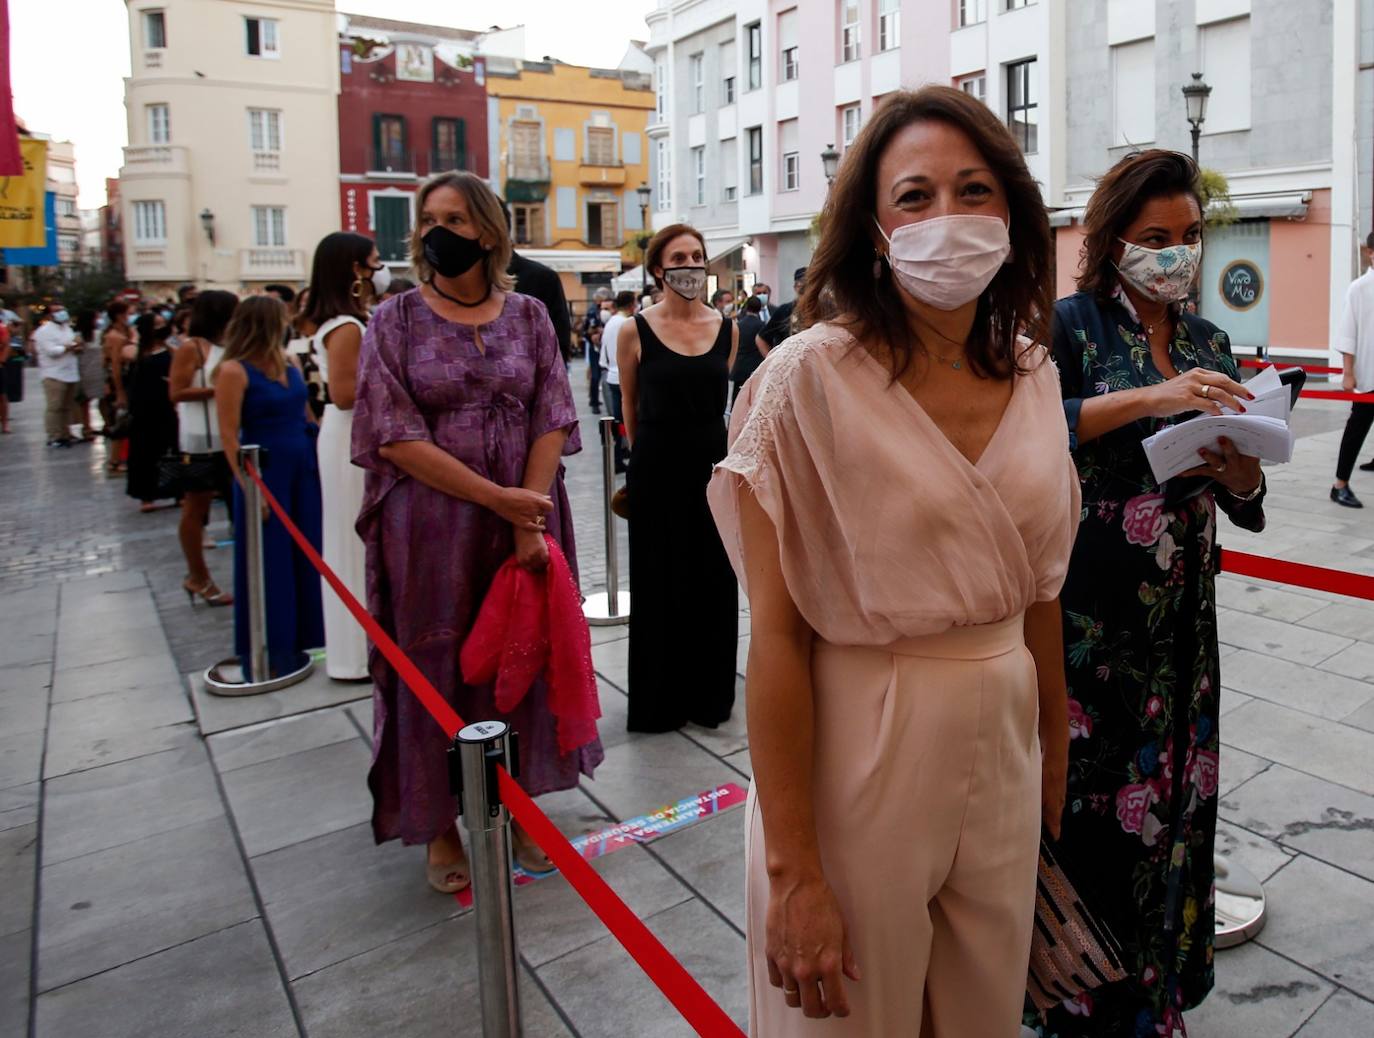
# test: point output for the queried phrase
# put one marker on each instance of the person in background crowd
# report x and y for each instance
(12, 368)
(346, 278)
(118, 350)
(92, 369)
(400, 285)
(674, 365)
(6, 355)
(186, 294)
(205, 471)
(180, 321)
(152, 418)
(763, 293)
(285, 293)
(1355, 339)
(779, 326)
(750, 354)
(594, 319)
(58, 346)
(1140, 619)
(610, 364)
(260, 398)
(463, 413)
(900, 503)
(723, 300)
(543, 283)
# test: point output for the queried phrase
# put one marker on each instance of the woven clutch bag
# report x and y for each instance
(1071, 952)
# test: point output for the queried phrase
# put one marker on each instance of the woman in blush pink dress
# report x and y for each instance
(900, 504)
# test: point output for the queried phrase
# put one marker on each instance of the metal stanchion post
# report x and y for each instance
(612, 606)
(230, 677)
(477, 750)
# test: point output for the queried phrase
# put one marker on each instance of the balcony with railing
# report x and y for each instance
(266, 162)
(267, 263)
(602, 174)
(403, 163)
(391, 162)
(152, 58)
(154, 160)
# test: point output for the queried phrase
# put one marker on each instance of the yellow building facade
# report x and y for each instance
(569, 155)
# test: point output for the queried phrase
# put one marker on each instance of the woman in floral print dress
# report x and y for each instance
(1139, 605)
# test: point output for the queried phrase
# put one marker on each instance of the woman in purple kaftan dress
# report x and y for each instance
(483, 382)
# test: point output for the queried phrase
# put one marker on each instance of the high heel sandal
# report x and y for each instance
(529, 855)
(450, 878)
(212, 595)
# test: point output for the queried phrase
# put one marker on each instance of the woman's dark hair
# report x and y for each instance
(332, 277)
(653, 255)
(210, 314)
(754, 305)
(85, 325)
(149, 335)
(1116, 202)
(840, 285)
(117, 309)
(399, 285)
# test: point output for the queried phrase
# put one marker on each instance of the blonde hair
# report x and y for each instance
(484, 211)
(255, 334)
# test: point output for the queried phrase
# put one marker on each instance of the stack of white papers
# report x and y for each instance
(1262, 432)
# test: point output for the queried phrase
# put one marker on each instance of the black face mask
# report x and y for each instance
(451, 255)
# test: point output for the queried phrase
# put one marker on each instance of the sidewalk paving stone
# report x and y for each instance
(18, 806)
(422, 986)
(129, 675)
(16, 956)
(240, 747)
(223, 985)
(1319, 916)
(1261, 856)
(290, 799)
(21, 759)
(1327, 749)
(1272, 602)
(710, 857)
(1328, 822)
(1258, 995)
(645, 774)
(1276, 638)
(1342, 1016)
(315, 692)
(1294, 685)
(1356, 661)
(114, 727)
(120, 803)
(1237, 767)
(18, 858)
(1351, 619)
(108, 908)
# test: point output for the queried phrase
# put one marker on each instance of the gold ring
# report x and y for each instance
(1207, 391)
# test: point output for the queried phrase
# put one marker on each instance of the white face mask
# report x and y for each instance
(947, 261)
(1165, 275)
(381, 279)
(763, 298)
(688, 282)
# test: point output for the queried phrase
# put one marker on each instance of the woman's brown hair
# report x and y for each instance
(658, 245)
(840, 285)
(484, 210)
(255, 334)
(1116, 202)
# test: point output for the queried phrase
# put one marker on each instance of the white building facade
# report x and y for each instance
(233, 139)
(750, 95)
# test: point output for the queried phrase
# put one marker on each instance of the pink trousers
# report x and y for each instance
(927, 802)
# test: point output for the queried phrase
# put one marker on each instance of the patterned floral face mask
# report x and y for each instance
(1165, 275)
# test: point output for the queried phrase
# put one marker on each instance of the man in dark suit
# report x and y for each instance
(779, 325)
(543, 283)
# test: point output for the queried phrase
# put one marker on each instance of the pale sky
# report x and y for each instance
(68, 59)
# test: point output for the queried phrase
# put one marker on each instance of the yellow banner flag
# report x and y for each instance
(21, 199)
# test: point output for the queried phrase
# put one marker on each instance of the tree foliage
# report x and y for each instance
(1217, 208)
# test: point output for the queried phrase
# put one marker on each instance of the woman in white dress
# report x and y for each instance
(347, 277)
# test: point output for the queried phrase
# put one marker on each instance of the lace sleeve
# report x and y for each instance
(760, 408)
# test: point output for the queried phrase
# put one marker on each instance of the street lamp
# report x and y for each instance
(207, 220)
(1195, 96)
(830, 163)
(644, 193)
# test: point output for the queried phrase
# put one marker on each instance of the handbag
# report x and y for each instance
(1071, 951)
(181, 472)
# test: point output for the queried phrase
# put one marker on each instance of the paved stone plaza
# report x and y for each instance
(178, 865)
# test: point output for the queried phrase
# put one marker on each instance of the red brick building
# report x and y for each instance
(412, 102)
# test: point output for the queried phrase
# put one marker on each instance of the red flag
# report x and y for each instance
(11, 164)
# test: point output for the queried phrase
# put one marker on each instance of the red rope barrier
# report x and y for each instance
(1311, 369)
(668, 975)
(1299, 574)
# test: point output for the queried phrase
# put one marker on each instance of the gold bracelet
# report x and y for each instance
(1245, 499)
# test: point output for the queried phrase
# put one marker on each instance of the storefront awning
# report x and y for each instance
(1277, 205)
(719, 248)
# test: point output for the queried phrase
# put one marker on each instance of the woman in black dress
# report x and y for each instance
(153, 418)
(684, 625)
(1140, 620)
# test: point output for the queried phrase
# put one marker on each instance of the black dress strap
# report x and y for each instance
(647, 337)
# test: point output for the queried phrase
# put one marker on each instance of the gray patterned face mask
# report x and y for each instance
(1165, 275)
(688, 282)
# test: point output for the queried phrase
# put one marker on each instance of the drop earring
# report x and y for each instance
(877, 266)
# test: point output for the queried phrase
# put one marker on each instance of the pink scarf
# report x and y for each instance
(531, 625)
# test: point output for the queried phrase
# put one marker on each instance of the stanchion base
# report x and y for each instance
(1240, 903)
(225, 678)
(597, 609)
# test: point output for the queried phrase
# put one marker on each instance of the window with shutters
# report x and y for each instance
(150, 223)
(787, 46)
(261, 37)
(154, 30)
(753, 35)
(526, 153)
(729, 168)
(849, 30)
(450, 145)
(269, 226)
(696, 69)
(755, 138)
(1023, 115)
(159, 125)
(699, 175)
(972, 12)
(390, 144)
(391, 227)
(528, 224)
(264, 129)
(665, 175)
(889, 24)
(851, 120)
(726, 63)
(600, 146)
(789, 149)
(603, 229)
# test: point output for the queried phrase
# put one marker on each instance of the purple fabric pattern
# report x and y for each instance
(430, 556)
